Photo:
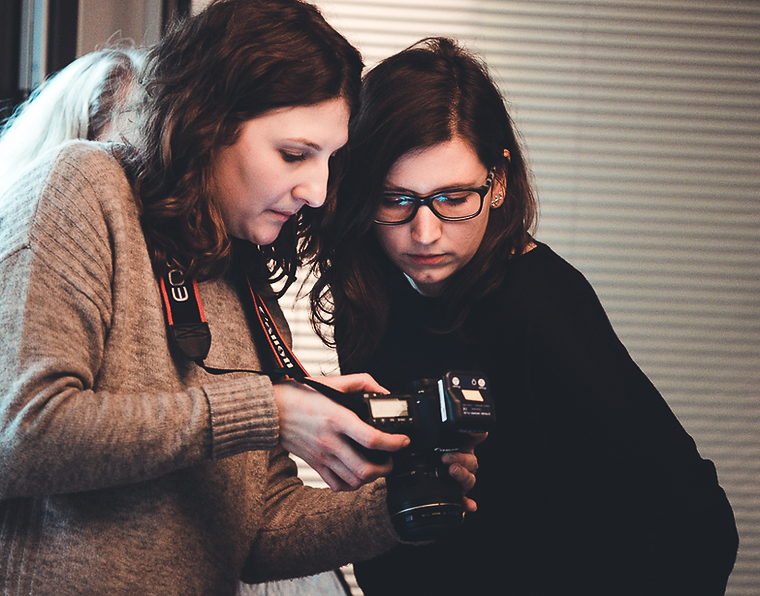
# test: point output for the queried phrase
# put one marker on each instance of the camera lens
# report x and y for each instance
(423, 500)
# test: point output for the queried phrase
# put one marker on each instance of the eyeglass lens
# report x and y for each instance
(398, 208)
(454, 205)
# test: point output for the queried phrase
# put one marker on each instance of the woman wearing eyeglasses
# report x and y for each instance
(589, 484)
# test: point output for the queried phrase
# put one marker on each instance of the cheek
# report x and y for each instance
(475, 234)
(248, 176)
(391, 240)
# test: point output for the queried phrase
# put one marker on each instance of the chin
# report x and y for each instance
(263, 237)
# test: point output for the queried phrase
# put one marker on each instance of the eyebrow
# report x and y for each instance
(397, 190)
(309, 144)
(312, 145)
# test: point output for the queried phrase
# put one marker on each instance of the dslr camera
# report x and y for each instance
(423, 500)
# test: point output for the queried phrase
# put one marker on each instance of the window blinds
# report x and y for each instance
(642, 125)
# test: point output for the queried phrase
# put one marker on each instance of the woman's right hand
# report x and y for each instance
(321, 432)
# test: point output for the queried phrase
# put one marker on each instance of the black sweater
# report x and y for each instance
(589, 484)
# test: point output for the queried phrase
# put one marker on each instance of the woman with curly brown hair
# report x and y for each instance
(141, 453)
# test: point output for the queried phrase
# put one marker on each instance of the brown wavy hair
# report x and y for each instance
(234, 61)
(425, 95)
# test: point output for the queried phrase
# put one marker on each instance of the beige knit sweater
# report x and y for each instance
(125, 469)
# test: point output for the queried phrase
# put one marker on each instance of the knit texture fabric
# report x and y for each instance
(124, 468)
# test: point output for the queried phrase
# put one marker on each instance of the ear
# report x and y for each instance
(499, 189)
(500, 182)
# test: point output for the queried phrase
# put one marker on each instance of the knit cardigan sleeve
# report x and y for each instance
(90, 396)
(308, 530)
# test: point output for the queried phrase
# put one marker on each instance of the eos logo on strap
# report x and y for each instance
(177, 283)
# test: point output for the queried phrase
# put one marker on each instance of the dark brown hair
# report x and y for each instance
(236, 60)
(425, 95)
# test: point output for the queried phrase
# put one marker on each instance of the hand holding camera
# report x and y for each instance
(325, 435)
(439, 417)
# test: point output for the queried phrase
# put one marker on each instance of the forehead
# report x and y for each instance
(324, 124)
(451, 163)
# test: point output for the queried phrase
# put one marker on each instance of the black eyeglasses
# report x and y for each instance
(450, 205)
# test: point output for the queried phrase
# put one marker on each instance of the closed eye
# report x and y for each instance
(293, 156)
(452, 198)
(396, 200)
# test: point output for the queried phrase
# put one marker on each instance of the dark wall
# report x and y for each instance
(10, 39)
(62, 34)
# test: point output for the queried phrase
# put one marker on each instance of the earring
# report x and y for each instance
(497, 201)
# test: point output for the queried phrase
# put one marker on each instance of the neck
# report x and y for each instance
(417, 288)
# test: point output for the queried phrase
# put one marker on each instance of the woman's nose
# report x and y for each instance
(426, 227)
(312, 190)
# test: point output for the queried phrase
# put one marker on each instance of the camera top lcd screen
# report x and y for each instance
(388, 408)
(472, 394)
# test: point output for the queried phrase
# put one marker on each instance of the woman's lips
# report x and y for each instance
(426, 259)
(282, 215)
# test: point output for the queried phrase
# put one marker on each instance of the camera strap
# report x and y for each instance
(284, 358)
(185, 318)
(287, 365)
(188, 329)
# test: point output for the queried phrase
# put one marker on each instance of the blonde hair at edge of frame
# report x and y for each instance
(85, 100)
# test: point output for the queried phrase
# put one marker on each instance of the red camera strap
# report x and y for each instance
(190, 332)
(283, 355)
(184, 315)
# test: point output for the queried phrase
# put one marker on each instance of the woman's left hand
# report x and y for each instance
(462, 467)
